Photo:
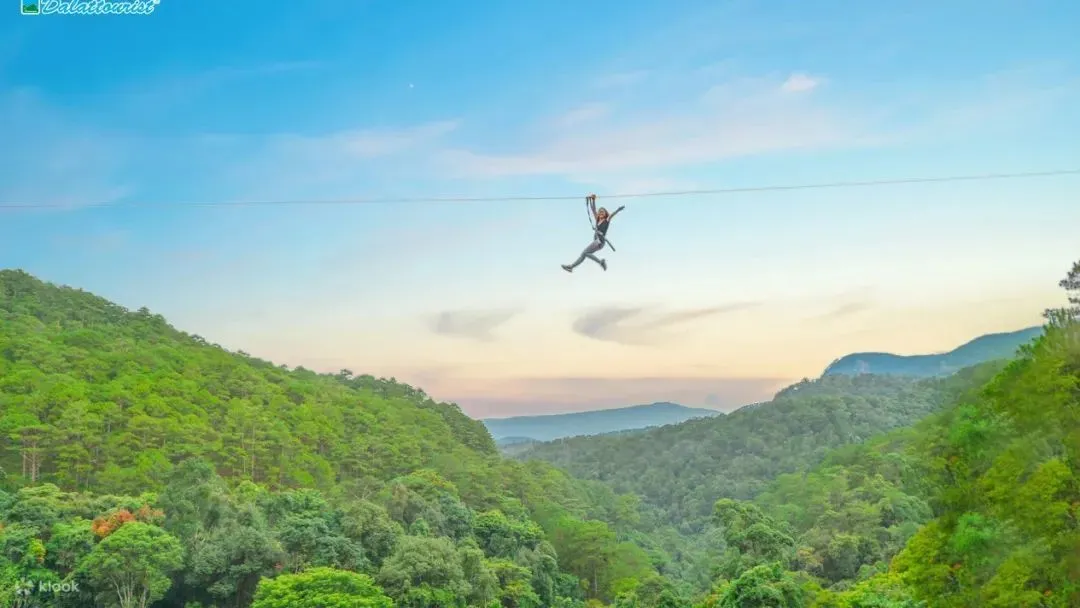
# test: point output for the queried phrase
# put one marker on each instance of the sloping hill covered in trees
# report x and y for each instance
(980, 350)
(681, 470)
(99, 397)
(978, 505)
(141, 462)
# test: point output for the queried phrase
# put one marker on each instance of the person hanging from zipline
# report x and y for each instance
(600, 221)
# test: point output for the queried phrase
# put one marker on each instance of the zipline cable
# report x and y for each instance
(507, 199)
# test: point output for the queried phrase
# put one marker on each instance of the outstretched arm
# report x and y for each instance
(616, 212)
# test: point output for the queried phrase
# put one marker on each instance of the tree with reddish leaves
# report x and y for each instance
(107, 524)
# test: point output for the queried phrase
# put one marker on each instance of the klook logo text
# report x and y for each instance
(26, 587)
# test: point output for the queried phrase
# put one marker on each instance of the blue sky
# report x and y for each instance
(709, 300)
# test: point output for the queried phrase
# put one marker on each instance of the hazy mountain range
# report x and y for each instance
(522, 429)
(517, 433)
(981, 349)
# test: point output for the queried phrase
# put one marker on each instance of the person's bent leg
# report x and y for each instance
(587, 253)
(590, 252)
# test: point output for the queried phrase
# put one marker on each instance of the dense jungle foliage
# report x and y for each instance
(145, 467)
(112, 419)
(682, 470)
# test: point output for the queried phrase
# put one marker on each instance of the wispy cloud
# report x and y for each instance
(847, 310)
(1017, 94)
(321, 165)
(47, 158)
(101, 242)
(582, 114)
(361, 144)
(743, 118)
(621, 79)
(704, 117)
(426, 236)
(474, 325)
(639, 326)
(1015, 99)
(800, 83)
(847, 304)
(168, 89)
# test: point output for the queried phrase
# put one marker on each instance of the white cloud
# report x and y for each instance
(1004, 99)
(743, 118)
(50, 156)
(1017, 100)
(800, 83)
(336, 164)
(639, 326)
(585, 113)
(168, 89)
(476, 325)
(683, 127)
(49, 159)
(361, 144)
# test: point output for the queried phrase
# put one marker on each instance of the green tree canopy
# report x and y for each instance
(321, 588)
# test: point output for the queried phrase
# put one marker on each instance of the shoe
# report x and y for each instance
(603, 264)
(567, 268)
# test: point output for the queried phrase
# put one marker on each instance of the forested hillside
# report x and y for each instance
(143, 467)
(977, 506)
(141, 462)
(682, 470)
(980, 350)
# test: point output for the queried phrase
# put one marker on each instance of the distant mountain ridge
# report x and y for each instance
(520, 429)
(980, 350)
